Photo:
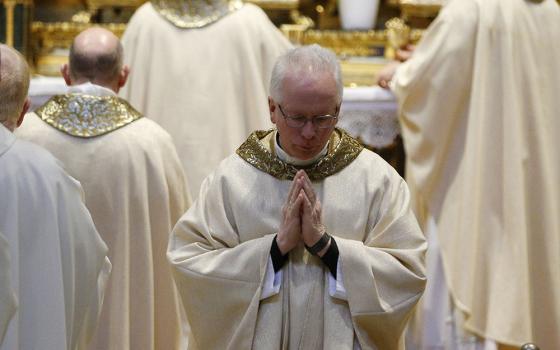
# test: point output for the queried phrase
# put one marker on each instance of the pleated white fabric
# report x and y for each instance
(479, 112)
(59, 263)
(220, 250)
(136, 191)
(207, 87)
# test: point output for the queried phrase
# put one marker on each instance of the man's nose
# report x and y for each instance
(308, 130)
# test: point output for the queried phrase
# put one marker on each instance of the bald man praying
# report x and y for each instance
(134, 187)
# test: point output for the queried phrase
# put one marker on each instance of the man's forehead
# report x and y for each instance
(309, 87)
(304, 81)
(304, 76)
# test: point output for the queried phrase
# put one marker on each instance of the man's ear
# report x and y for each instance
(26, 106)
(123, 76)
(271, 109)
(65, 71)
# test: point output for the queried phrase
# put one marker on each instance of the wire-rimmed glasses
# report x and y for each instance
(322, 121)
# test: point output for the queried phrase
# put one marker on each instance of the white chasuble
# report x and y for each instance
(135, 190)
(221, 247)
(479, 108)
(59, 264)
(207, 87)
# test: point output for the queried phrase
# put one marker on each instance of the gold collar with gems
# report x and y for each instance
(87, 116)
(195, 13)
(258, 150)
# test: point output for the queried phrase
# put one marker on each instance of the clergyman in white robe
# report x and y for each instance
(59, 264)
(136, 191)
(221, 253)
(479, 112)
(206, 86)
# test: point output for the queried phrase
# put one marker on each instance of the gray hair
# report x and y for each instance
(98, 67)
(311, 59)
(14, 83)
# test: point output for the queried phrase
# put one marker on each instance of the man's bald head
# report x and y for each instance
(96, 56)
(14, 85)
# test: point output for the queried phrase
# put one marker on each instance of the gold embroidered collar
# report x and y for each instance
(195, 13)
(343, 149)
(86, 115)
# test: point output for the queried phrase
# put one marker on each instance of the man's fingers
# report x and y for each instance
(289, 199)
(308, 188)
(306, 204)
(303, 174)
(386, 74)
(302, 198)
(294, 208)
(294, 190)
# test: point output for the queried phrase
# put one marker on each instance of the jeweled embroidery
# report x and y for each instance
(87, 116)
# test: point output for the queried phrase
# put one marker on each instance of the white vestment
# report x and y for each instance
(59, 262)
(220, 250)
(208, 86)
(8, 302)
(479, 112)
(136, 191)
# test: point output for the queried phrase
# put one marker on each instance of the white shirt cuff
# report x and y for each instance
(336, 286)
(272, 281)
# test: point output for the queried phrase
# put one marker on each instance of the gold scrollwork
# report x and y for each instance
(347, 43)
(48, 36)
(276, 4)
(362, 53)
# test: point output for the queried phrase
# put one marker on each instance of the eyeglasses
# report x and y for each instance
(321, 121)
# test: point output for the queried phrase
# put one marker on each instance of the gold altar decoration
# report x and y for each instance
(289, 6)
(362, 53)
(398, 36)
(47, 38)
(50, 35)
(419, 8)
(95, 5)
(347, 43)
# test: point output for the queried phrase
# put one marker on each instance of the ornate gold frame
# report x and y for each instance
(415, 8)
(347, 43)
(356, 48)
(47, 37)
(276, 4)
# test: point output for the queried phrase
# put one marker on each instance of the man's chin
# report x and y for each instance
(306, 154)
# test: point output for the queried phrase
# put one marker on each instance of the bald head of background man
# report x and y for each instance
(14, 85)
(96, 56)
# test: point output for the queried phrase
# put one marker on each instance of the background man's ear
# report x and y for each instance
(65, 71)
(26, 106)
(123, 76)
